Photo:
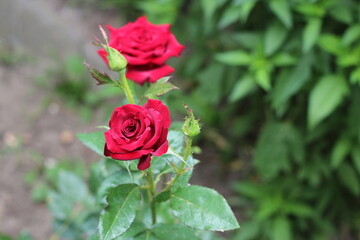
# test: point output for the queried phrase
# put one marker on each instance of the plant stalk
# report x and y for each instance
(125, 86)
(152, 194)
(181, 168)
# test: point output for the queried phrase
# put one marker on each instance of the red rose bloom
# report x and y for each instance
(146, 47)
(138, 132)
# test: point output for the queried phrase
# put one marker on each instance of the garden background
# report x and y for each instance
(275, 83)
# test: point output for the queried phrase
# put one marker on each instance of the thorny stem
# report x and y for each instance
(126, 87)
(180, 170)
(152, 194)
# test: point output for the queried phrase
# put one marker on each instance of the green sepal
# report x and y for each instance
(101, 78)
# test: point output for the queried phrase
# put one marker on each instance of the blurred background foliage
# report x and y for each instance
(281, 78)
(276, 85)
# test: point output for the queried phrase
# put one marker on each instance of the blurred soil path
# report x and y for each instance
(29, 128)
(32, 125)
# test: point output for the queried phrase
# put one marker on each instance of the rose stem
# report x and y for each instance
(126, 87)
(152, 193)
(181, 168)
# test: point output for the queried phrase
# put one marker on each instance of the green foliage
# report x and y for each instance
(22, 236)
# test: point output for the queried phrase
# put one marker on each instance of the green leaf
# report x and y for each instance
(279, 145)
(72, 187)
(235, 58)
(39, 192)
(347, 59)
(298, 209)
(262, 78)
(135, 229)
(116, 218)
(178, 232)
(275, 36)
(245, 86)
(281, 229)
(249, 230)
(282, 10)
(72, 191)
(184, 179)
(4, 237)
(330, 43)
(349, 178)
(60, 208)
(311, 33)
(229, 16)
(290, 83)
(211, 81)
(355, 155)
(95, 141)
(245, 9)
(163, 196)
(202, 208)
(339, 152)
(176, 140)
(283, 59)
(23, 236)
(342, 13)
(248, 40)
(351, 35)
(159, 88)
(325, 97)
(120, 177)
(310, 9)
(250, 190)
(147, 235)
(101, 78)
(355, 76)
(209, 7)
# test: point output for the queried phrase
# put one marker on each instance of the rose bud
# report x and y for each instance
(117, 62)
(191, 126)
(138, 132)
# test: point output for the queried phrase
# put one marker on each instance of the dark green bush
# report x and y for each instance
(282, 76)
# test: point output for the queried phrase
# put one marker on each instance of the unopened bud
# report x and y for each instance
(117, 61)
(191, 126)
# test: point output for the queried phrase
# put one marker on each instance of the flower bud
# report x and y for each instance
(117, 61)
(191, 126)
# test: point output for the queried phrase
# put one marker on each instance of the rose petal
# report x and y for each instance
(174, 48)
(130, 155)
(142, 74)
(162, 149)
(106, 151)
(144, 162)
(139, 143)
(157, 105)
(157, 129)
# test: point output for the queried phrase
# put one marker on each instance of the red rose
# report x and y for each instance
(146, 47)
(138, 132)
